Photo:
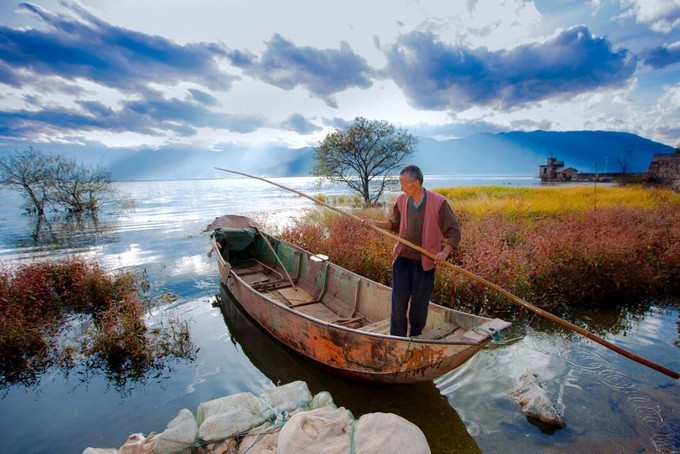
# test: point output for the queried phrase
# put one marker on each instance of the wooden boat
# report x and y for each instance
(335, 317)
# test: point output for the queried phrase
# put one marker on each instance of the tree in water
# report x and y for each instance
(31, 172)
(54, 180)
(363, 155)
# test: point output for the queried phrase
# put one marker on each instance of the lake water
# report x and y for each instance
(609, 403)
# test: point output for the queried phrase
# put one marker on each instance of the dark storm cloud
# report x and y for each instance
(662, 56)
(296, 122)
(81, 46)
(436, 75)
(323, 72)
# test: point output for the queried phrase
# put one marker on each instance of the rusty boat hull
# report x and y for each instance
(335, 317)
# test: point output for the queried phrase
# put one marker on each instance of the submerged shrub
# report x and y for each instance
(37, 301)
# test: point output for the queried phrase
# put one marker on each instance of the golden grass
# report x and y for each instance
(553, 201)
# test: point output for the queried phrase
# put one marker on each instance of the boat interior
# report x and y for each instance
(313, 286)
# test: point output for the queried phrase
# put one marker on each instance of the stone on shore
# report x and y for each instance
(100, 451)
(322, 399)
(245, 401)
(287, 397)
(536, 403)
(321, 430)
(263, 439)
(179, 435)
(376, 433)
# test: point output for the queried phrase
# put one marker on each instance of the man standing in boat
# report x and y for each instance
(426, 219)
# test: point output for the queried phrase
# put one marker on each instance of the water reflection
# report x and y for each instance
(71, 232)
(422, 404)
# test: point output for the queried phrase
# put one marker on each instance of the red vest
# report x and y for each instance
(431, 240)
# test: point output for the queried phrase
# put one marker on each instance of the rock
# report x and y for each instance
(536, 403)
(243, 401)
(179, 435)
(234, 420)
(225, 447)
(376, 433)
(133, 445)
(287, 397)
(261, 440)
(322, 430)
(323, 399)
(100, 451)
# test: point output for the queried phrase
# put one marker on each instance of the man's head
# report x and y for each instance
(411, 179)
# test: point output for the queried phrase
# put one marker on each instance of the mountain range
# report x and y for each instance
(509, 153)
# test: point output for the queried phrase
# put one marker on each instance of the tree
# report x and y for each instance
(29, 171)
(363, 155)
(77, 187)
(625, 161)
(53, 180)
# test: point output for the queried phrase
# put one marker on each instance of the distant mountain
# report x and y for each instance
(187, 164)
(515, 153)
(511, 153)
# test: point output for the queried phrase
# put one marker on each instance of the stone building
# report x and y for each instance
(664, 170)
(554, 170)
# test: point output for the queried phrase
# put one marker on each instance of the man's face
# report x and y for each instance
(409, 186)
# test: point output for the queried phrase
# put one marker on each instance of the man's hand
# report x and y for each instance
(443, 255)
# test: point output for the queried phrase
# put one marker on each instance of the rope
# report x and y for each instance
(351, 432)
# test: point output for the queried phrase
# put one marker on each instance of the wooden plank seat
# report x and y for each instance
(380, 327)
(440, 332)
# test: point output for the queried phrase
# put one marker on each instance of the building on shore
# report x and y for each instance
(554, 170)
(664, 170)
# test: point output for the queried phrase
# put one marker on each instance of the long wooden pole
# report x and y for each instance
(481, 280)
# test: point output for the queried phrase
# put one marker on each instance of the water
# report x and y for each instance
(609, 403)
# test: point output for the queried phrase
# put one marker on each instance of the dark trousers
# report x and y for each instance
(410, 281)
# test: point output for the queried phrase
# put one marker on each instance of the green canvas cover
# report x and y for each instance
(236, 243)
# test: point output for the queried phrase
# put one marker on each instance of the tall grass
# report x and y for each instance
(526, 203)
(576, 245)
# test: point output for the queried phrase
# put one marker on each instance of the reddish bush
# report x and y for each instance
(599, 255)
(36, 300)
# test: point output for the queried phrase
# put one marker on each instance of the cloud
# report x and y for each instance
(153, 117)
(203, 97)
(338, 123)
(323, 72)
(78, 45)
(456, 129)
(438, 76)
(660, 15)
(296, 122)
(662, 56)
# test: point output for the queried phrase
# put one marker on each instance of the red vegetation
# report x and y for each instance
(600, 255)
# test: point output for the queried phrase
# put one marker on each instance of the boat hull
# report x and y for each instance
(336, 318)
(359, 356)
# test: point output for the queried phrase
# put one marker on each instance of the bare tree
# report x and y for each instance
(30, 172)
(53, 180)
(363, 155)
(625, 161)
(78, 187)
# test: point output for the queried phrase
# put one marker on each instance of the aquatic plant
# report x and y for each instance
(39, 300)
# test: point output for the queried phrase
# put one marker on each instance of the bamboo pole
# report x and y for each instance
(481, 280)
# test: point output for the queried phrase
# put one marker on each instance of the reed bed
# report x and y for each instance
(566, 245)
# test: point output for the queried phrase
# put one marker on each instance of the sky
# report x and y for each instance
(218, 74)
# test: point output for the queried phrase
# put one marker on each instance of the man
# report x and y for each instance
(422, 217)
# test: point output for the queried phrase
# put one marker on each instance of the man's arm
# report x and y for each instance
(448, 225)
(390, 224)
